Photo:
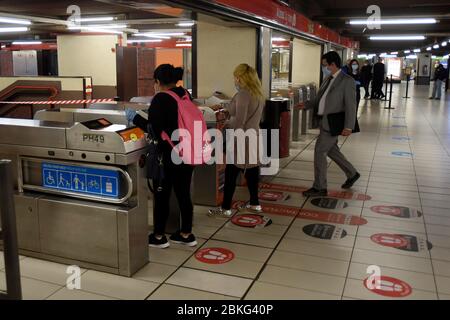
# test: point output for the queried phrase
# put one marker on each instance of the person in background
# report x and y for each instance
(356, 74)
(163, 116)
(347, 69)
(366, 77)
(336, 94)
(245, 111)
(440, 75)
(378, 78)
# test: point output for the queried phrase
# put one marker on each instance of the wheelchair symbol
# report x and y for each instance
(50, 180)
(94, 184)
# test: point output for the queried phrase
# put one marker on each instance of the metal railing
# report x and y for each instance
(8, 233)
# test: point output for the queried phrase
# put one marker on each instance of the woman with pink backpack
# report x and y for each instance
(165, 118)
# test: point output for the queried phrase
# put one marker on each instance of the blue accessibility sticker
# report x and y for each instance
(80, 179)
(401, 153)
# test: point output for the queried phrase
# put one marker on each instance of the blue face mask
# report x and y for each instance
(325, 71)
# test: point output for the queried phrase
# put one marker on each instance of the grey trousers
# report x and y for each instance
(326, 145)
(437, 89)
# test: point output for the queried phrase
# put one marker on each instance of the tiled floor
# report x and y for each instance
(313, 253)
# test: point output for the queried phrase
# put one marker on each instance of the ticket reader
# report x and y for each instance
(81, 196)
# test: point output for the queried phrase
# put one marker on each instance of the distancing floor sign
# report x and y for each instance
(404, 242)
(251, 220)
(397, 211)
(273, 196)
(388, 287)
(214, 255)
(325, 231)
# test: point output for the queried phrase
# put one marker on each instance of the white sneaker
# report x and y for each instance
(220, 212)
(257, 208)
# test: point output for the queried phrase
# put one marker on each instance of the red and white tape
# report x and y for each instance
(59, 101)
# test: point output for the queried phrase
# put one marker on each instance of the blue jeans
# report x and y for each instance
(437, 87)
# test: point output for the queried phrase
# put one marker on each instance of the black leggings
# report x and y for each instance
(231, 174)
(179, 178)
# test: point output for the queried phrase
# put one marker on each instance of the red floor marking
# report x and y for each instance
(247, 220)
(397, 211)
(389, 240)
(272, 195)
(333, 193)
(214, 255)
(389, 287)
(338, 218)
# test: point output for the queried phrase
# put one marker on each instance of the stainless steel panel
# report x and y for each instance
(25, 63)
(64, 154)
(32, 133)
(27, 221)
(79, 230)
(54, 115)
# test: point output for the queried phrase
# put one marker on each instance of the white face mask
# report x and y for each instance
(325, 71)
(354, 67)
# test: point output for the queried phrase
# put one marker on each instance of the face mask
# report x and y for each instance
(237, 86)
(325, 71)
(354, 67)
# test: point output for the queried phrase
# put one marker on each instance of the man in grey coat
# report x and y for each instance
(336, 95)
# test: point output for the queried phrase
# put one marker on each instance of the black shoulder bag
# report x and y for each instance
(154, 162)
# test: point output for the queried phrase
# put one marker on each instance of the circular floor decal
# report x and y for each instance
(389, 240)
(214, 255)
(397, 211)
(272, 195)
(329, 203)
(390, 287)
(251, 220)
(324, 231)
(404, 242)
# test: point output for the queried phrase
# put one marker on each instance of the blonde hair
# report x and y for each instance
(248, 79)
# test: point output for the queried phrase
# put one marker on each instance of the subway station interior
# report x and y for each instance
(363, 214)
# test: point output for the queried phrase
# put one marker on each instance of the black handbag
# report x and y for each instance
(154, 162)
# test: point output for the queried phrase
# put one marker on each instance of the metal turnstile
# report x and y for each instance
(81, 196)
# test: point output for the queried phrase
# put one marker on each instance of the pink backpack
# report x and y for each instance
(194, 145)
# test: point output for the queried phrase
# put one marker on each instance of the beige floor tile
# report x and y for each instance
(204, 232)
(244, 237)
(437, 220)
(211, 282)
(66, 294)
(303, 280)
(271, 229)
(417, 280)
(400, 225)
(353, 210)
(45, 271)
(155, 272)
(315, 249)
(179, 246)
(438, 253)
(439, 241)
(444, 296)
(269, 291)
(441, 268)
(309, 263)
(367, 212)
(171, 292)
(438, 230)
(116, 286)
(356, 289)
(241, 251)
(392, 260)
(443, 284)
(365, 243)
(32, 289)
(171, 256)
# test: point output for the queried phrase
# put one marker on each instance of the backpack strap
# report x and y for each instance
(164, 135)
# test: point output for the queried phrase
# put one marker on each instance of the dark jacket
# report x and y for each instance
(440, 73)
(366, 74)
(378, 71)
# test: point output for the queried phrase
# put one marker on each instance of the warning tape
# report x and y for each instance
(59, 101)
